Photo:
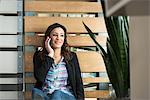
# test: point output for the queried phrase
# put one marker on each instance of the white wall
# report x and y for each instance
(8, 61)
(139, 57)
(8, 39)
(8, 24)
(8, 6)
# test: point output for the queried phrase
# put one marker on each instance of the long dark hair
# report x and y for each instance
(65, 49)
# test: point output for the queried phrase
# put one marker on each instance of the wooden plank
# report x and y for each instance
(31, 80)
(69, 0)
(28, 95)
(28, 61)
(34, 40)
(80, 41)
(95, 80)
(97, 94)
(89, 62)
(103, 94)
(73, 25)
(63, 6)
(72, 40)
(28, 67)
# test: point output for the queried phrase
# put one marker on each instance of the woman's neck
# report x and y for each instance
(57, 53)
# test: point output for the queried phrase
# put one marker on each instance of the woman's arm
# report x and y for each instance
(79, 83)
(41, 66)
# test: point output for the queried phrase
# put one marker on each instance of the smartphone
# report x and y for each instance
(50, 43)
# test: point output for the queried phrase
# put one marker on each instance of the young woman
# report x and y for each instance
(56, 68)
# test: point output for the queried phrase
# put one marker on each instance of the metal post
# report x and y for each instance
(20, 47)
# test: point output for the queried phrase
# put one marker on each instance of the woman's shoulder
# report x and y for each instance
(38, 52)
(73, 55)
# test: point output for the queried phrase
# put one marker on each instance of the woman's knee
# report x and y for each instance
(59, 95)
(37, 94)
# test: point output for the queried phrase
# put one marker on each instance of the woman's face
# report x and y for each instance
(57, 37)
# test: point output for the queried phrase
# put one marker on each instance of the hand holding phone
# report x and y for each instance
(48, 47)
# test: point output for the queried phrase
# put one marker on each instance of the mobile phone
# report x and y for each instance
(50, 43)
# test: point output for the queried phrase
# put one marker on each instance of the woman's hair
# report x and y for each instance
(65, 49)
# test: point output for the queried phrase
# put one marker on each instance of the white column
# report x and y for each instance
(139, 40)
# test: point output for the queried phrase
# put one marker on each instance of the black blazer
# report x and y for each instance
(74, 74)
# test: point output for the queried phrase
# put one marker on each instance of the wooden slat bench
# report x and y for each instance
(74, 25)
(62, 6)
(82, 40)
(90, 61)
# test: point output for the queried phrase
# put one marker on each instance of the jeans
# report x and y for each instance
(38, 94)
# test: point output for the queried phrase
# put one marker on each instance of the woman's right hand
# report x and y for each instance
(48, 47)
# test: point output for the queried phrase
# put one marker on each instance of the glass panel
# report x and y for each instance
(8, 25)
(8, 40)
(8, 80)
(8, 6)
(9, 95)
(8, 61)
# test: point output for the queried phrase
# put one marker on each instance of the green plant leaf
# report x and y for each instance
(94, 39)
(116, 58)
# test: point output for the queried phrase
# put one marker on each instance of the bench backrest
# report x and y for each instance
(40, 14)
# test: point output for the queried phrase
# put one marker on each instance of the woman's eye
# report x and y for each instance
(54, 34)
(62, 35)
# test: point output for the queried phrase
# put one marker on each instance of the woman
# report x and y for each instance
(56, 69)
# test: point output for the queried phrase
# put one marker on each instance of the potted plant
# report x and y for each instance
(116, 57)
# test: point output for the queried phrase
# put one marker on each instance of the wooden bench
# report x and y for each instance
(90, 61)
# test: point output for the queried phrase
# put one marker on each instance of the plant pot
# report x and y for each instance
(123, 98)
(113, 95)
